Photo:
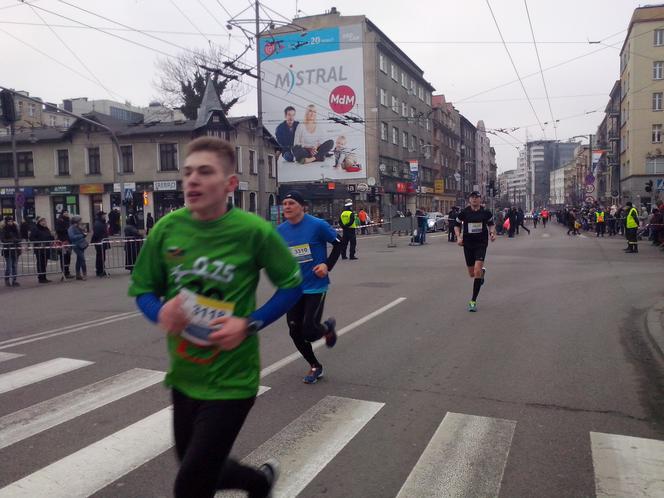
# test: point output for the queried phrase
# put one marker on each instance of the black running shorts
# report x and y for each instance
(474, 253)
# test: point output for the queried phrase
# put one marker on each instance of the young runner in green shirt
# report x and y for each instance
(196, 276)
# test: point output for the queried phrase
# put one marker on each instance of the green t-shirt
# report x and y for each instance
(220, 259)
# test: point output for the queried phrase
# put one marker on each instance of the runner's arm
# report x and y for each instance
(334, 255)
(150, 305)
(277, 306)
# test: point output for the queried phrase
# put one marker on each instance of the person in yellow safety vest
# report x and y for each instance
(349, 222)
(631, 226)
(600, 221)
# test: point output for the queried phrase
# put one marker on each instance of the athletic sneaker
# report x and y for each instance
(331, 336)
(271, 471)
(472, 306)
(313, 376)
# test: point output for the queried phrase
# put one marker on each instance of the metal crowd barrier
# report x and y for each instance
(32, 260)
(120, 253)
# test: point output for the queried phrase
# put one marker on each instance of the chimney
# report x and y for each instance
(334, 11)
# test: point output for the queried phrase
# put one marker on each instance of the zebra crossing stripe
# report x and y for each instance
(37, 418)
(92, 468)
(305, 446)
(9, 356)
(627, 466)
(36, 373)
(465, 457)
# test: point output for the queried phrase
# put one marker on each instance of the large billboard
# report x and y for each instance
(313, 102)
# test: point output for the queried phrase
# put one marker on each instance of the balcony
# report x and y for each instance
(613, 136)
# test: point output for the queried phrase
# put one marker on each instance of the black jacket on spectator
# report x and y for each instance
(41, 237)
(11, 240)
(99, 230)
(61, 227)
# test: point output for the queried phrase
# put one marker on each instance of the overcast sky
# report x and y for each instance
(455, 43)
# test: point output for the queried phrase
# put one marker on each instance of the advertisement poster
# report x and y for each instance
(313, 103)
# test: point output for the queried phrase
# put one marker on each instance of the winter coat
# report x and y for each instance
(77, 237)
(11, 241)
(41, 237)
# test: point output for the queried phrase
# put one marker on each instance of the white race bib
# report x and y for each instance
(475, 227)
(201, 311)
(302, 253)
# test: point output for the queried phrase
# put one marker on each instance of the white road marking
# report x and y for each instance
(305, 446)
(546, 235)
(295, 356)
(37, 418)
(627, 466)
(92, 468)
(18, 341)
(465, 457)
(41, 371)
(9, 356)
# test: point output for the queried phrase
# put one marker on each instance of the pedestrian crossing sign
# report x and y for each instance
(659, 185)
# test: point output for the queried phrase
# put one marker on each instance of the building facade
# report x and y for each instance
(75, 169)
(641, 104)
(447, 150)
(468, 159)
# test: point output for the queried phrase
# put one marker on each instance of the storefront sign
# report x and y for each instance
(402, 187)
(243, 186)
(165, 185)
(439, 186)
(91, 188)
(351, 188)
(61, 189)
(127, 186)
(362, 187)
(414, 165)
(426, 190)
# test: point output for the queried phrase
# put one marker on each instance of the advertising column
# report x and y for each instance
(313, 103)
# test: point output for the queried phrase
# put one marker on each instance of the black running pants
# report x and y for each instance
(204, 435)
(304, 324)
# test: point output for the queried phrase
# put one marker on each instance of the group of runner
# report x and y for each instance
(196, 278)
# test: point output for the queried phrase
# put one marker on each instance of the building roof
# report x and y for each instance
(31, 135)
(647, 13)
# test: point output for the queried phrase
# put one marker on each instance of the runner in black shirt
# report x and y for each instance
(474, 226)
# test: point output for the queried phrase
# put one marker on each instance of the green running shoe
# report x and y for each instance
(472, 306)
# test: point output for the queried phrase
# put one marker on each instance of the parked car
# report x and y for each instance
(436, 221)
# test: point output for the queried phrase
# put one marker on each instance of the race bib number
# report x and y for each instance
(474, 227)
(302, 253)
(201, 311)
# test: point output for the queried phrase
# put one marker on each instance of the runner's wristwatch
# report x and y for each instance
(253, 327)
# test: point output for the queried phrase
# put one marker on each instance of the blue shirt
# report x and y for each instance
(308, 241)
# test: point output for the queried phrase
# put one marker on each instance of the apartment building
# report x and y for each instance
(642, 104)
(447, 152)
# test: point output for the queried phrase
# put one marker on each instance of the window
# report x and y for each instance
(412, 112)
(20, 108)
(383, 131)
(395, 135)
(420, 93)
(383, 97)
(657, 101)
(404, 139)
(238, 159)
(94, 161)
(63, 162)
(658, 70)
(412, 87)
(252, 202)
(404, 110)
(51, 121)
(382, 63)
(168, 157)
(394, 72)
(253, 167)
(655, 166)
(32, 110)
(427, 98)
(67, 122)
(428, 124)
(656, 133)
(659, 37)
(404, 80)
(413, 143)
(395, 104)
(270, 166)
(127, 158)
(6, 165)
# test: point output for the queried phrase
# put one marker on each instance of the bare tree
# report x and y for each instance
(181, 81)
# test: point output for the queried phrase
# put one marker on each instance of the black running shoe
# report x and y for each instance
(271, 471)
(331, 335)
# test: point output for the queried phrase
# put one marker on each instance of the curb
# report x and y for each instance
(655, 327)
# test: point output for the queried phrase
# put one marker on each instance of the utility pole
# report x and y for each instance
(261, 207)
(18, 212)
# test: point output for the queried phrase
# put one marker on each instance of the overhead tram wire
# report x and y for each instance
(211, 14)
(523, 87)
(539, 62)
(85, 66)
(208, 41)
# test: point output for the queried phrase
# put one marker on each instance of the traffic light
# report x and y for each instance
(7, 108)
(649, 186)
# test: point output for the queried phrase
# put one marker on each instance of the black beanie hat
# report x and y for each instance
(296, 196)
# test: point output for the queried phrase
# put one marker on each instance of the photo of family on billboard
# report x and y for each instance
(307, 141)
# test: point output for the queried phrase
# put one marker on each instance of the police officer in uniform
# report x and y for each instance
(348, 222)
